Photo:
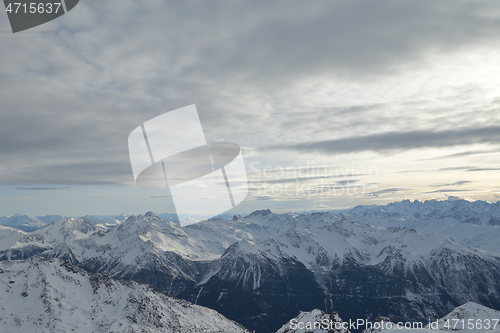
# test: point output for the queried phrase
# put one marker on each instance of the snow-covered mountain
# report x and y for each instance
(260, 270)
(48, 219)
(54, 240)
(365, 270)
(67, 229)
(476, 318)
(21, 222)
(15, 244)
(40, 295)
(94, 220)
(469, 317)
(476, 223)
(315, 321)
(105, 220)
(168, 217)
(31, 223)
(475, 212)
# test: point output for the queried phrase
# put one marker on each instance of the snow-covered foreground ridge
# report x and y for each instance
(476, 318)
(467, 318)
(40, 295)
(315, 321)
(51, 295)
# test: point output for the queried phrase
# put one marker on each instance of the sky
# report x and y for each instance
(333, 103)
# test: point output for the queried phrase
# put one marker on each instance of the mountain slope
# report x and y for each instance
(256, 288)
(469, 317)
(40, 295)
(16, 244)
(477, 318)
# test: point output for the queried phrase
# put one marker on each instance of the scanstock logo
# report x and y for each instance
(28, 14)
(170, 152)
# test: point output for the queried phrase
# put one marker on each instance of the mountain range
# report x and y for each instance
(475, 223)
(31, 223)
(262, 269)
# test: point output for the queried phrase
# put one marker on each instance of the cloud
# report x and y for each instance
(397, 141)
(470, 153)
(44, 188)
(450, 190)
(445, 169)
(305, 180)
(483, 169)
(388, 190)
(331, 77)
(459, 183)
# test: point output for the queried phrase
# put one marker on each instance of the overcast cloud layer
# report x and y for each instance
(399, 85)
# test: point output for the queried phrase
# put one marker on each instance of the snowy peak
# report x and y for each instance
(139, 236)
(48, 219)
(67, 229)
(263, 212)
(93, 219)
(469, 317)
(469, 311)
(22, 222)
(241, 248)
(105, 220)
(79, 224)
(452, 198)
(55, 296)
(153, 215)
(144, 224)
(315, 321)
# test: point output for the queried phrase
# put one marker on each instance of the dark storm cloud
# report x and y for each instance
(69, 100)
(397, 141)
